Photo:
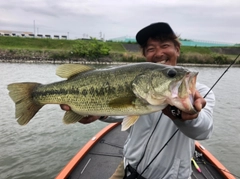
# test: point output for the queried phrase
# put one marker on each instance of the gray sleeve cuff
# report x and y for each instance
(112, 119)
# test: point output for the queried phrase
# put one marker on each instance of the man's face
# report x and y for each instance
(161, 52)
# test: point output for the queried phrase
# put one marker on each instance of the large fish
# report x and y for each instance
(128, 90)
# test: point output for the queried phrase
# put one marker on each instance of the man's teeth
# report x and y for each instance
(162, 62)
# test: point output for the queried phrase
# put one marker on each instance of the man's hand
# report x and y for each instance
(89, 119)
(199, 103)
(85, 120)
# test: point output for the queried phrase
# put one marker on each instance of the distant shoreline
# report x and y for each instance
(106, 63)
(51, 61)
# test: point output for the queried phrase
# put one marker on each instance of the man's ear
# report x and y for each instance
(178, 50)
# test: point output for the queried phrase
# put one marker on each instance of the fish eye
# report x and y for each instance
(171, 73)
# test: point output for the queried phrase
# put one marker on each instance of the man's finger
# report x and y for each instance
(65, 107)
(199, 101)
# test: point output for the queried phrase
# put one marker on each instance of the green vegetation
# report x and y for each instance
(34, 43)
(201, 50)
(47, 44)
(94, 50)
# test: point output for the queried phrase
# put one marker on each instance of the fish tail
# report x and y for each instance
(25, 106)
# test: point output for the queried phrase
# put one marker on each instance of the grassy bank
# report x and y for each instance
(57, 49)
(46, 44)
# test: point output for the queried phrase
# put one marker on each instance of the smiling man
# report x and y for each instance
(159, 47)
(160, 145)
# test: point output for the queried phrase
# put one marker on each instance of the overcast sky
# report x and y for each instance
(211, 20)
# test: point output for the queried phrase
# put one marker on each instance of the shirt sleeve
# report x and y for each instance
(202, 127)
(113, 119)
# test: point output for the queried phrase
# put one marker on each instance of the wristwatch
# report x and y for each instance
(176, 112)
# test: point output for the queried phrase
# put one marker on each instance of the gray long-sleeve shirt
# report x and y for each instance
(174, 161)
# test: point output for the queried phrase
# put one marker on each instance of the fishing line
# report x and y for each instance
(222, 75)
(147, 143)
(178, 109)
(159, 151)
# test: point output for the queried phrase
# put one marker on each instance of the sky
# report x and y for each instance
(214, 21)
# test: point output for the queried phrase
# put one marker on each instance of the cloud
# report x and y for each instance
(215, 20)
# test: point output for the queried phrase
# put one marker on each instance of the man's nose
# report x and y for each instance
(159, 53)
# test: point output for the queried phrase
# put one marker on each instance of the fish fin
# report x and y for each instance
(122, 102)
(71, 117)
(128, 122)
(68, 70)
(26, 107)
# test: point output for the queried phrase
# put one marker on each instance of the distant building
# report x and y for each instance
(202, 43)
(48, 36)
(64, 37)
(14, 33)
(197, 43)
(31, 35)
(39, 35)
(124, 39)
(56, 36)
(7, 34)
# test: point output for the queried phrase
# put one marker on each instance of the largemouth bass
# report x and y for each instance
(128, 90)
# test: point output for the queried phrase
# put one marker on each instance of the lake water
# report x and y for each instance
(45, 145)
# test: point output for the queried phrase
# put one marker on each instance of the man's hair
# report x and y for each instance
(163, 38)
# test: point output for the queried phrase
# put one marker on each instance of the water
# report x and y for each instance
(45, 145)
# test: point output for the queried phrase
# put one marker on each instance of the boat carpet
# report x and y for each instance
(106, 155)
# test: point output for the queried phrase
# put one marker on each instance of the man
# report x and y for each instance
(161, 144)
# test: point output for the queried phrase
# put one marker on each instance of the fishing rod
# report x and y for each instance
(178, 112)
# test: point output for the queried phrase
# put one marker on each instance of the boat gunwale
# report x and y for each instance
(214, 161)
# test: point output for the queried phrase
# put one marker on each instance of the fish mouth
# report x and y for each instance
(183, 93)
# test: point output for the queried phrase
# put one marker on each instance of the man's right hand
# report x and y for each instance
(85, 120)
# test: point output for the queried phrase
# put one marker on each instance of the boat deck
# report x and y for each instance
(104, 157)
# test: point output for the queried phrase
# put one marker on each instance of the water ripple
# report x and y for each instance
(44, 146)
